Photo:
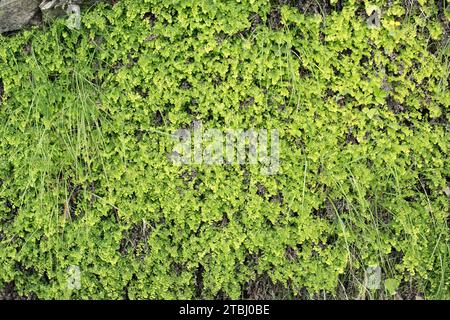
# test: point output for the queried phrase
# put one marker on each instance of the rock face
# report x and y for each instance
(16, 14)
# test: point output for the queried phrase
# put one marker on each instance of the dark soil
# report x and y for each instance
(263, 288)
(9, 293)
(135, 240)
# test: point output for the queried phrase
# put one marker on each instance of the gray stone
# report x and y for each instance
(16, 14)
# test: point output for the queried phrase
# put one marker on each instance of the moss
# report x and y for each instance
(86, 181)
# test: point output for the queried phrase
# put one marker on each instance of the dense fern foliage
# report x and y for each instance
(363, 118)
